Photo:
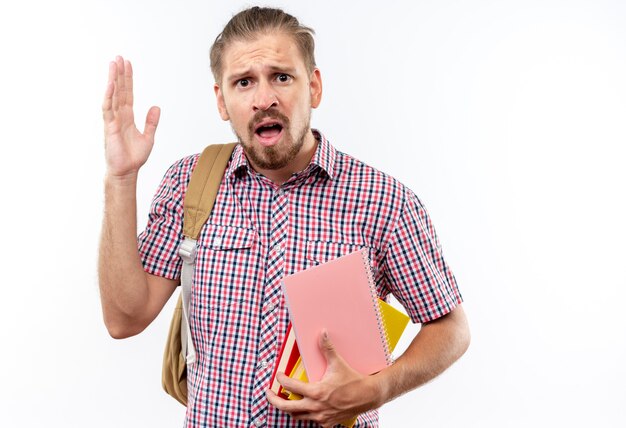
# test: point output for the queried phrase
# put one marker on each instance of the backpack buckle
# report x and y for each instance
(187, 250)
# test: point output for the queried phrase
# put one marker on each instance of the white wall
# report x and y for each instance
(506, 118)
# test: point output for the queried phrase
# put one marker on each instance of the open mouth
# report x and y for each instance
(268, 132)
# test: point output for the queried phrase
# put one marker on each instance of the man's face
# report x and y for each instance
(267, 94)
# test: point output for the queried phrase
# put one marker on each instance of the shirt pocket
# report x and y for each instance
(225, 275)
(322, 252)
(318, 252)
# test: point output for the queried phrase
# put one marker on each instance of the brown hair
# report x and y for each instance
(249, 23)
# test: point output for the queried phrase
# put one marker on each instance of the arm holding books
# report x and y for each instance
(344, 393)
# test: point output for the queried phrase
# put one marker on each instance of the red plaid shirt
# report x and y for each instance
(259, 232)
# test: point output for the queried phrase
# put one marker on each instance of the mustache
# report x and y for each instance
(267, 114)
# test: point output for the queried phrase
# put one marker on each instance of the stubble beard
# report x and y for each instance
(280, 155)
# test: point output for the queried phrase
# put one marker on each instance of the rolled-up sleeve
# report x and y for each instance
(415, 270)
(158, 243)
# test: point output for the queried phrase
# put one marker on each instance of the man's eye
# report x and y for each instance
(283, 78)
(243, 83)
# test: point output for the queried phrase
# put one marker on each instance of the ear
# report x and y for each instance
(316, 88)
(221, 104)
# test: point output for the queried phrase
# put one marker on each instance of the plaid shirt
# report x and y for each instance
(259, 232)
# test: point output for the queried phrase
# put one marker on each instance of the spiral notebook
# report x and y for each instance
(340, 296)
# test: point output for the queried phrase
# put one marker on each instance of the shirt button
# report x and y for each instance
(276, 248)
(263, 364)
(217, 241)
(257, 423)
(271, 307)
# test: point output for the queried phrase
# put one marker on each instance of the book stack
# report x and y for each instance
(288, 361)
(338, 296)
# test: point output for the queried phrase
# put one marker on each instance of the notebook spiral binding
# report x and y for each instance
(379, 316)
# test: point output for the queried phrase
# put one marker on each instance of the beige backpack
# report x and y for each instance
(199, 199)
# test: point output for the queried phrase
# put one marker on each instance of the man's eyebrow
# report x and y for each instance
(282, 69)
(238, 74)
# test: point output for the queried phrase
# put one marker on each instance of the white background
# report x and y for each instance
(507, 118)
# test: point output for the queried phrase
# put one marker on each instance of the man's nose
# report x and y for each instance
(264, 97)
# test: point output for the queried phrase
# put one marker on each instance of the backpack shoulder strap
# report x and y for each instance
(201, 193)
(203, 186)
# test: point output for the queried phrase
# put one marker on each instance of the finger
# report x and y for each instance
(121, 80)
(128, 82)
(107, 103)
(304, 416)
(294, 385)
(290, 406)
(113, 72)
(152, 121)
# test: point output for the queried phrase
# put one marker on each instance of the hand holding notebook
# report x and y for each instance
(289, 361)
(340, 383)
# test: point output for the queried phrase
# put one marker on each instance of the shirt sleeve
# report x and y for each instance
(158, 243)
(415, 270)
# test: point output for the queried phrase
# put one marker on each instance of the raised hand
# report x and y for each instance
(126, 148)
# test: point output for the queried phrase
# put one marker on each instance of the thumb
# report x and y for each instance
(152, 120)
(327, 347)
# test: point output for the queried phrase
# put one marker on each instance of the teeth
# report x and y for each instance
(269, 126)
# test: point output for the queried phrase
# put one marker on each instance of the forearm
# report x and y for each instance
(435, 348)
(123, 283)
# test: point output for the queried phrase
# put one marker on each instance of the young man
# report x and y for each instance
(288, 200)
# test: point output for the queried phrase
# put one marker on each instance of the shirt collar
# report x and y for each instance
(238, 161)
(325, 154)
(324, 157)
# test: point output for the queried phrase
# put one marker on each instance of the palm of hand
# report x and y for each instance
(126, 148)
